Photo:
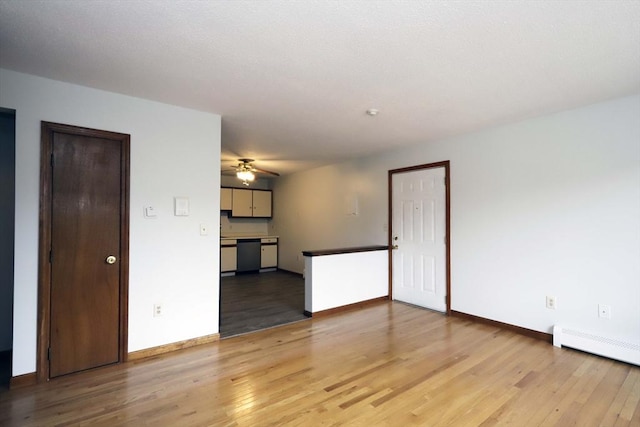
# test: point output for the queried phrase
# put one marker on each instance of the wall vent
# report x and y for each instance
(602, 346)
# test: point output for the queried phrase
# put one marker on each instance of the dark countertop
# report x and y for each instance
(338, 251)
(247, 236)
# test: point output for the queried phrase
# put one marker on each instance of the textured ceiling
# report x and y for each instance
(292, 79)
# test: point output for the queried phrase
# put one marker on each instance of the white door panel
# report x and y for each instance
(418, 230)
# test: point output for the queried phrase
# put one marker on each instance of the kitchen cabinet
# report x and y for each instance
(226, 197)
(228, 256)
(248, 253)
(251, 203)
(262, 203)
(242, 203)
(269, 252)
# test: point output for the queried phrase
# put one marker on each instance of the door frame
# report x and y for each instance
(391, 173)
(47, 130)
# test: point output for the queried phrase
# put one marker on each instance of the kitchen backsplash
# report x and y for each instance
(243, 225)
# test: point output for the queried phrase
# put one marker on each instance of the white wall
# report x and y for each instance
(342, 279)
(234, 182)
(174, 152)
(547, 206)
(310, 210)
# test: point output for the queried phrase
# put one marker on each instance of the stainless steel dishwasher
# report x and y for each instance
(248, 255)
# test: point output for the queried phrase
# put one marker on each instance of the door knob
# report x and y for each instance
(394, 247)
(111, 259)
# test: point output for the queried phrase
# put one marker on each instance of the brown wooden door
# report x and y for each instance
(86, 227)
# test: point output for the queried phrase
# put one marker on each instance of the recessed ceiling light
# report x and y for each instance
(372, 112)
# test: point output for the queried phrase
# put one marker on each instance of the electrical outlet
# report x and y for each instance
(551, 302)
(604, 311)
(157, 310)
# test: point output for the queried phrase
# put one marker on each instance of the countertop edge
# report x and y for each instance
(253, 236)
(339, 251)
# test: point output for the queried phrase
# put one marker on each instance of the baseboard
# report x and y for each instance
(348, 307)
(513, 328)
(24, 380)
(167, 348)
(265, 270)
(31, 379)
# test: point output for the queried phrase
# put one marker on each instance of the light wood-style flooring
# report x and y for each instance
(388, 364)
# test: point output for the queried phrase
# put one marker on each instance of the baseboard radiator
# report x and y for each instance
(602, 346)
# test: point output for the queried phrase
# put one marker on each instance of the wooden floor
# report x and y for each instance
(384, 365)
(250, 302)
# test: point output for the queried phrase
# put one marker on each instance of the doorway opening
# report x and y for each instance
(419, 235)
(7, 243)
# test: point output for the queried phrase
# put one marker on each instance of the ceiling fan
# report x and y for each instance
(245, 171)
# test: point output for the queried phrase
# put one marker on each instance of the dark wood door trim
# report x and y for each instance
(445, 165)
(44, 269)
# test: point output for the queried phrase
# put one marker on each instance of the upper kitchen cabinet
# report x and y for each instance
(251, 203)
(242, 203)
(262, 204)
(226, 196)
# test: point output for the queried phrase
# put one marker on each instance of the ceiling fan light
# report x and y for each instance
(245, 175)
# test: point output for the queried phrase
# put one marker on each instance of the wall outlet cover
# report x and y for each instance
(551, 302)
(604, 311)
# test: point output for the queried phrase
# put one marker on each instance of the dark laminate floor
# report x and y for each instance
(250, 302)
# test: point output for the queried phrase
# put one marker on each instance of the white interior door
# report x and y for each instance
(418, 231)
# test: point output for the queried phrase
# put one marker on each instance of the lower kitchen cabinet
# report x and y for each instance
(248, 255)
(269, 253)
(228, 256)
